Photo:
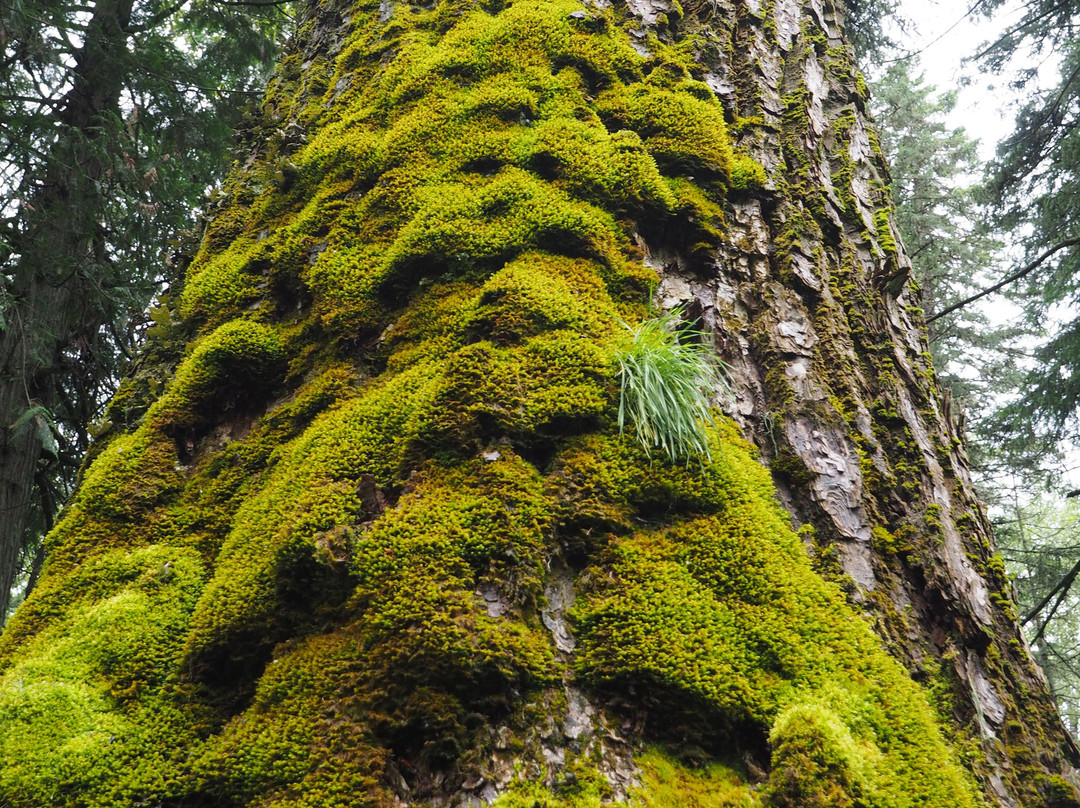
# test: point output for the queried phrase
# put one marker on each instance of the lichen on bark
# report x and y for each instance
(377, 539)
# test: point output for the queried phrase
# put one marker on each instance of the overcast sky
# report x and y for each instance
(944, 34)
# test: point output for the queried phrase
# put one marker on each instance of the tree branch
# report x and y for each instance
(1020, 273)
(1059, 591)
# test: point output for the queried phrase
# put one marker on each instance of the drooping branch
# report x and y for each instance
(1027, 269)
(1059, 592)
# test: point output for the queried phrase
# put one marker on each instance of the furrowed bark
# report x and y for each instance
(827, 342)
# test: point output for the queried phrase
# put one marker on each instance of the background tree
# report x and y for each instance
(1040, 539)
(873, 27)
(373, 534)
(115, 118)
(953, 251)
(1033, 188)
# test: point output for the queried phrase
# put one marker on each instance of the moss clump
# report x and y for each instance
(885, 237)
(815, 761)
(682, 126)
(723, 613)
(668, 783)
(747, 174)
(463, 227)
(615, 171)
(92, 706)
(523, 794)
(238, 361)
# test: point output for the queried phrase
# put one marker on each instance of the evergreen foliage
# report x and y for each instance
(868, 24)
(1040, 541)
(951, 246)
(115, 119)
(1033, 187)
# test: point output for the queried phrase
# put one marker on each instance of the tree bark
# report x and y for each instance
(836, 383)
(377, 538)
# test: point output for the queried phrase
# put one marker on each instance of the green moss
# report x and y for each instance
(239, 360)
(438, 175)
(747, 174)
(523, 794)
(225, 282)
(683, 131)
(615, 171)
(464, 227)
(1058, 792)
(724, 613)
(815, 761)
(292, 746)
(884, 541)
(95, 695)
(538, 293)
(667, 783)
(885, 237)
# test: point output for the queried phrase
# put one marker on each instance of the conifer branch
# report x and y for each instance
(1020, 273)
(1059, 591)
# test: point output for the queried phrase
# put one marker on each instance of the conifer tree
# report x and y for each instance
(114, 121)
(1040, 542)
(933, 171)
(1033, 188)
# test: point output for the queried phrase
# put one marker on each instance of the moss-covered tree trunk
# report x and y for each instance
(362, 529)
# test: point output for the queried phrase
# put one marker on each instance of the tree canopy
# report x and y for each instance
(1033, 187)
(115, 119)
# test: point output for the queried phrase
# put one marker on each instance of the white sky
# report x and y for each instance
(945, 34)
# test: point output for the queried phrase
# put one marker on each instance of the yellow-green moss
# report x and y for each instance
(885, 237)
(239, 360)
(682, 125)
(722, 612)
(816, 762)
(90, 709)
(667, 783)
(418, 173)
(663, 783)
(747, 174)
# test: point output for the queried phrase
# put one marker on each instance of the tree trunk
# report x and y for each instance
(378, 538)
